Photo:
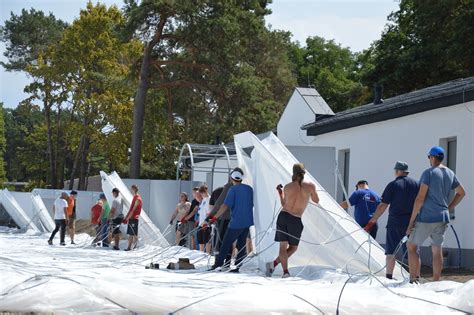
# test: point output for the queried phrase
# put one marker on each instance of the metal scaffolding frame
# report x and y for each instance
(192, 154)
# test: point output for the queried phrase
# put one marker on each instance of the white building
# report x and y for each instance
(369, 139)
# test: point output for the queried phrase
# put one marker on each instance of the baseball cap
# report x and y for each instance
(401, 166)
(236, 175)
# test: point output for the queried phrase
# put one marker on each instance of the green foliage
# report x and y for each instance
(331, 69)
(425, 43)
(27, 36)
(2, 145)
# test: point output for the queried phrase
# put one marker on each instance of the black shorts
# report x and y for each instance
(289, 229)
(132, 228)
(116, 225)
(204, 235)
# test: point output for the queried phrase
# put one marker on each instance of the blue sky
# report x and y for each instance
(351, 23)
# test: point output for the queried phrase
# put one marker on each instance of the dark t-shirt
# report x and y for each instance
(194, 203)
(400, 194)
(215, 195)
(365, 202)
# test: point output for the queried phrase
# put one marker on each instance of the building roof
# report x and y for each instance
(438, 96)
(315, 101)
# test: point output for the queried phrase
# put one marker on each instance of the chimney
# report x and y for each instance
(378, 89)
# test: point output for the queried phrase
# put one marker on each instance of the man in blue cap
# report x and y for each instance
(431, 209)
(400, 194)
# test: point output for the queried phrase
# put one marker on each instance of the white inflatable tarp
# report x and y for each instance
(43, 214)
(148, 233)
(17, 213)
(330, 238)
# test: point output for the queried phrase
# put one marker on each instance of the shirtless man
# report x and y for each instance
(294, 200)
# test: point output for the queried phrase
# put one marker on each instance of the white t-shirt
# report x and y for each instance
(59, 205)
(203, 210)
(117, 203)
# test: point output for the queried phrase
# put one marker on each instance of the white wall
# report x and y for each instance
(375, 148)
(296, 114)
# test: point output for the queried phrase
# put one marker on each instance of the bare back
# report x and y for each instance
(296, 197)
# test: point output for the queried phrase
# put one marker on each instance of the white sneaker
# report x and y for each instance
(270, 268)
(285, 275)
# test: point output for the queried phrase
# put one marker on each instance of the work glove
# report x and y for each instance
(368, 227)
(211, 220)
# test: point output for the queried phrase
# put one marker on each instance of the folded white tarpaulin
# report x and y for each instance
(17, 213)
(148, 233)
(43, 214)
(330, 236)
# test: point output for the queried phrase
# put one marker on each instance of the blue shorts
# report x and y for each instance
(394, 236)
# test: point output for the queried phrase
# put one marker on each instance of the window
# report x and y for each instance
(450, 145)
(344, 158)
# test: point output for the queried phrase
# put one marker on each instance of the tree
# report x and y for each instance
(92, 62)
(28, 37)
(331, 69)
(425, 43)
(2, 145)
(204, 46)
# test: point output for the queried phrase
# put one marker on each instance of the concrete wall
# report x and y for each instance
(159, 199)
(374, 149)
(320, 162)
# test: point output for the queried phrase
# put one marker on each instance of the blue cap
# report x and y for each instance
(437, 152)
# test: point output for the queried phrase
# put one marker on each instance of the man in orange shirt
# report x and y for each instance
(71, 214)
(132, 218)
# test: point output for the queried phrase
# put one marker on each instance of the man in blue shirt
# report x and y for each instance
(431, 212)
(365, 202)
(400, 194)
(240, 200)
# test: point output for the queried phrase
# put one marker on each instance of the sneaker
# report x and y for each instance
(50, 242)
(270, 269)
(236, 270)
(72, 243)
(285, 275)
(63, 244)
(116, 248)
(127, 249)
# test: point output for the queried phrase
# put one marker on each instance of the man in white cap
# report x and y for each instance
(400, 194)
(239, 200)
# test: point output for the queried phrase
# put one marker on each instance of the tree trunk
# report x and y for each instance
(57, 163)
(76, 162)
(53, 179)
(138, 115)
(140, 101)
(83, 164)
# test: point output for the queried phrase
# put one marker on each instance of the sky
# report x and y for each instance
(354, 24)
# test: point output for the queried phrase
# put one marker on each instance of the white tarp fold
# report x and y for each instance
(330, 237)
(148, 233)
(17, 213)
(43, 214)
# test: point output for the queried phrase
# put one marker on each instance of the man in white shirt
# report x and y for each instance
(116, 217)
(60, 218)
